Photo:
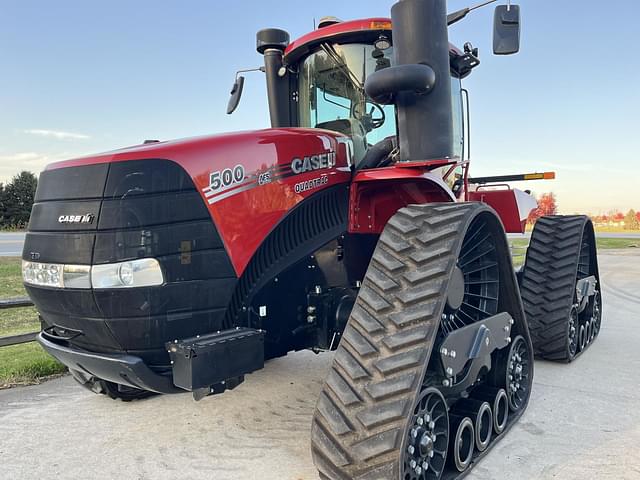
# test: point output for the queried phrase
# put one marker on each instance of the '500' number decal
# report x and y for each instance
(225, 178)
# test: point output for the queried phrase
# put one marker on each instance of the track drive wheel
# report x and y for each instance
(380, 415)
(562, 252)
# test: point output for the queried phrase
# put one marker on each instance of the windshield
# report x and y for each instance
(331, 96)
(332, 93)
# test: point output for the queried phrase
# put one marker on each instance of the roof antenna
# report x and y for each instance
(314, 23)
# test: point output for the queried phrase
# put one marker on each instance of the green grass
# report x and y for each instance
(18, 320)
(519, 246)
(15, 320)
(615, 243)
(602, 243)
(11, 277)
(27, 363)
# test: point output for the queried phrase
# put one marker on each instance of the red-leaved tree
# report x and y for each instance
(546, 206)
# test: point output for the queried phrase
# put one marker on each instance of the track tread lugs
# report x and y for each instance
(548, 282)
(375, 389)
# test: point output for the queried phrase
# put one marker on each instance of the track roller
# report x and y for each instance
(560, 287)
(573, 328)
(481, 415)
(497, 397)
(596, 312)
(462, 442)
(583, 337)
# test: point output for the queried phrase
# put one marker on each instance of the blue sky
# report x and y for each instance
(80, 77)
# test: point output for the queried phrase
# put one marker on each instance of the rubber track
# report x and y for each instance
(369, 394)
(549, 282)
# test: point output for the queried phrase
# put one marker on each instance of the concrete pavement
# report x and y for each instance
(583, 420)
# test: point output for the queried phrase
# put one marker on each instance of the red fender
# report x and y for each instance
(513, 206)
(377, 194)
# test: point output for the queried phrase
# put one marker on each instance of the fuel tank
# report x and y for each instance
(201, 207)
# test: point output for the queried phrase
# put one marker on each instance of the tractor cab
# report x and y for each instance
(331, 93)
(318, 81)
(331, 76)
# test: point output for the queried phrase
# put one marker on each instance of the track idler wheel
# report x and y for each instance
(462, 442)
(427, 437)
(573, 332)
(497, 397)
(518, 374)
(481, 415)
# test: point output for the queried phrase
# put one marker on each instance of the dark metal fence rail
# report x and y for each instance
(23, 337)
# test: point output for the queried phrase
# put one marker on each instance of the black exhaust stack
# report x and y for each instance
(419, 84)
(272, 42)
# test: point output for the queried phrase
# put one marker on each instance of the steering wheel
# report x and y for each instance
(368, 120)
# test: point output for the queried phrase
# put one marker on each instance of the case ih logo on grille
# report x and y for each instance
(313, 162)
(86, 218)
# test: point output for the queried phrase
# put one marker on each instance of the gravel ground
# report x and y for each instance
(583, 420)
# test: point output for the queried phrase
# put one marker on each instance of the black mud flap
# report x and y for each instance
(212, 363)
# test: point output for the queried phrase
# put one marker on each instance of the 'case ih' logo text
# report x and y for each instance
(86, 218)
(313, 162)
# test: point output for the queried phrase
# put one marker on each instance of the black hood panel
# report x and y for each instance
(71, 183)
(59, 247)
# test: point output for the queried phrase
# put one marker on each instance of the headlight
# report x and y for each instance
(144, 272)
(42, 274)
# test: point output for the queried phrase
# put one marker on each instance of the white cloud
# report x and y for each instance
(21, 157)
(11, 164)
(56, 134)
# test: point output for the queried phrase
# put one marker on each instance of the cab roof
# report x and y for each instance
(364, 30)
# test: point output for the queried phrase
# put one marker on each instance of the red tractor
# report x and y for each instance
(352, 225)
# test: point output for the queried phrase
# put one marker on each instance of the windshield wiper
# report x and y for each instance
(342, 65)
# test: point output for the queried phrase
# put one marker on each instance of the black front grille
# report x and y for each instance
(141, 208)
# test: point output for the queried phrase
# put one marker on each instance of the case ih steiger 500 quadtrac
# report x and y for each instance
(351, 225)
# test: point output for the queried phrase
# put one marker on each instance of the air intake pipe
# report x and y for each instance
(419, 83)
(272, 42)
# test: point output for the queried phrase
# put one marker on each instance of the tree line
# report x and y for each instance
(547, 205)
(16, 200)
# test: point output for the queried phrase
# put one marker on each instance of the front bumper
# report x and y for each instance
(117, 368)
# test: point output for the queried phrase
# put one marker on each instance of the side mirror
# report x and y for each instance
(236, 94)
(506, 30)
